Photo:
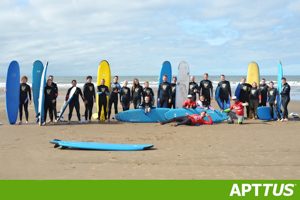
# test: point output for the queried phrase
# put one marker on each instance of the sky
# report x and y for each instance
(136, 36)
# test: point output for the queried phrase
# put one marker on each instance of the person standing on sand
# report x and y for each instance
(272, 100)
(136, 93)
(114, 96)
(285, 98)
(206, 88)
(90, 98)
(54, 85)
(255, 99)
(225, 92)
(75, 101)
(164, 94)
(245, 94)
(193, 88)
(147, 91)
(263, 92)
(173, 94)
(25, 98)
(50, 97)
(125, 96)
(103, 92)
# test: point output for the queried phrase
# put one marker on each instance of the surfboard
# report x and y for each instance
(12, 92)
(182, 86)
(42, 96)
(217, 97)
(253, 73)
(66, 103)
(37, 71)
(139, 115)
(264, 113)
(166, 69)
(100, 146)
(238, 91)
(279, 87)
(103, 73)
(216, 115)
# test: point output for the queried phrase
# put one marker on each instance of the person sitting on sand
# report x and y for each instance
(236, 111)
(191, 120)
(189, 103)
(147, 104)
(203, 103)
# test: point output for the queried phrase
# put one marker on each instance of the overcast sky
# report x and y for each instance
(136, 36)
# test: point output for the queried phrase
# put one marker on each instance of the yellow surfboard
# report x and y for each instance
(103, 73)
(253, 73)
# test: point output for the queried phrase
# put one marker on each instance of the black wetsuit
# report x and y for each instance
(206, 89)
(25, 97)
(245, 95)
(125, 98)
(264, 94)
(225, 93)
(285, 99)
(50, 97)
(173, 95)
(164, 94)
(89, 96)
(113, 98)
(74, 102)
(272, 95)
(136, 95)
(54, 85)
(254, 101)
(193, 90)
(145, 105)
(148, 92)
(103, 92)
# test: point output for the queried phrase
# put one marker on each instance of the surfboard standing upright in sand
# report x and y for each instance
(182, 87)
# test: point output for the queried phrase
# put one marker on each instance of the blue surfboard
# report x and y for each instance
(12, 92)
(216, 115)
(238, 91)
(42, 96)
(37, 71)
(100, 146)
(139, 115)
(279, 87)
(264, 113)
(166, 69)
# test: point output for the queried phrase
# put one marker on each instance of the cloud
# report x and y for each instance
(137, 36)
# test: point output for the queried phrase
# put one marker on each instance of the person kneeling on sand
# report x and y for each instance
(191, 120)
(189, 103)
(236, 111)
(147, 104)
(203, 103)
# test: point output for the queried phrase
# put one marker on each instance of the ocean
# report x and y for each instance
(64, 82)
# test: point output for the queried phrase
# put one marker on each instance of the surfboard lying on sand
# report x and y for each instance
(216, 115)
(12, 92)
(99, 146)
(37, 72)
(182, 86)
(139, 115)
(64, 107)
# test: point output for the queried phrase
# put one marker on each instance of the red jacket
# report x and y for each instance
(189, 104)
(238, 107)
(198, 120)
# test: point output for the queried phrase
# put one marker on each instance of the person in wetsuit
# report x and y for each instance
(147, 104)
(136, 93)
(54, 85)
(125, 96)
(74, 103)
(203, 103)
(25, 99)
(114, 96)
(164, 93)
(245, 94)
(191, 120)
(89, 97)
(254, 101)
(193, 88)
(147, 91)
(285, 98)
(103, 92)
(263, 92)
(173, 95)
(272, 100)
(206, 88)
(50, 97)
(225, 92)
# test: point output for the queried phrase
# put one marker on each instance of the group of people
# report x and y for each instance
(200, 95)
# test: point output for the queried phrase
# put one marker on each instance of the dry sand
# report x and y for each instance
(256, 150)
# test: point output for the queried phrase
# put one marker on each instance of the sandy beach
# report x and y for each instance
(255, 150)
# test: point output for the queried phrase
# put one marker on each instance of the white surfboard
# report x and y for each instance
(182, 86)
(64, 107)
